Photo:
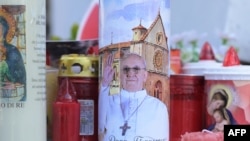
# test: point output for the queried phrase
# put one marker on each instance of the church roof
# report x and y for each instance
(128, 43)
(116, 46)
(139, 27)
(151, 27)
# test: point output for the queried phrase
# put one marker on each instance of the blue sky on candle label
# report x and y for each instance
(118, 17)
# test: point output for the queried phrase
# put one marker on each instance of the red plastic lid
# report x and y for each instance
(93, 50)
(231, 58)
(207, 52)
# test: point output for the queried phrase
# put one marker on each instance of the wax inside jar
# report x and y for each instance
(66, 113)
(66, 121)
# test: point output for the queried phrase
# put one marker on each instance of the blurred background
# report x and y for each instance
(220, 22)
(62, 15)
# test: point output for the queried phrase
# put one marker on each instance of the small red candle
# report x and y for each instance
(207, 52)
(66, 113)
(231, 58)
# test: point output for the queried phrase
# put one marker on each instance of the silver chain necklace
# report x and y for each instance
(125, 126)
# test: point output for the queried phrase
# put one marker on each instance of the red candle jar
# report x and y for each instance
(186, 104)
(82, 70)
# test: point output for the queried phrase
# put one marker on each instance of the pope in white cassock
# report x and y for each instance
(132, 115)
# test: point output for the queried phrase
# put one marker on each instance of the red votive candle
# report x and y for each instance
(82, 70)
(66, 113)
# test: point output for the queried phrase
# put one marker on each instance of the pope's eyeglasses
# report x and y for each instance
(135, 69)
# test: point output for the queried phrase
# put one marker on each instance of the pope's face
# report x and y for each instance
(133, 74)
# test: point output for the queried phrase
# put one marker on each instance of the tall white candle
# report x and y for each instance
(22, 92)
(134, 70)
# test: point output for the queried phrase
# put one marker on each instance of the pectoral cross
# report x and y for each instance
(124, 128)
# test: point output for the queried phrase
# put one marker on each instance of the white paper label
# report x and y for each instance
(86, 117)
(22, 68)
